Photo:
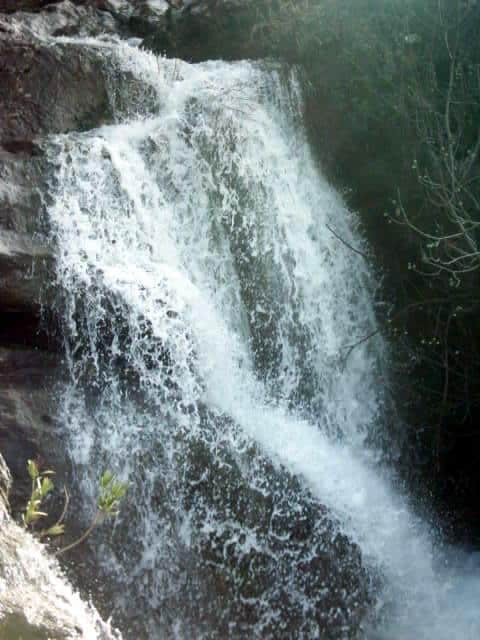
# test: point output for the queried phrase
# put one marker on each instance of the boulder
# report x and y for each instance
(249, 553)
(61, 18)
(48, 89)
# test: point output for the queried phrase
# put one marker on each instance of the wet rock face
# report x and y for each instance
(20, 202)
(7, 6)
(44, 89)
(286, 571)
(28, 73)
(25, 264)
(27, 410)
(26, 261)
(47, 89)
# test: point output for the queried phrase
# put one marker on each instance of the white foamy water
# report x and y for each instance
(202, 283)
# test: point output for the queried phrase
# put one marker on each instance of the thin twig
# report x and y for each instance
(348, 245)
(82, 537)
(65, 507)
(408, 307)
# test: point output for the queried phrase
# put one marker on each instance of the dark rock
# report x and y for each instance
(47, 89)
(25, 267)
(21, 173)
(65, 17)
(10, 6)
(44, 89)
(24, 147)
(26, 261)
(198, 30)
(27, 413)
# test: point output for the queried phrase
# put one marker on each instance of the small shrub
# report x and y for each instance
(111, 494)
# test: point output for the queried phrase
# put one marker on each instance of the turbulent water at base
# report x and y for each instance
(210, 302)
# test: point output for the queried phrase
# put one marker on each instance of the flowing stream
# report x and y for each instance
(211, 299)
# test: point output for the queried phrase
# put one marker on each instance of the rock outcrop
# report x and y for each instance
(24, 266)
(44, 90)
(47, 89)
(199, 30)
(27, 413)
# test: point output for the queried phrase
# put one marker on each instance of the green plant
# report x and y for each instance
(42, 485)
(112, 491)
(111, 494)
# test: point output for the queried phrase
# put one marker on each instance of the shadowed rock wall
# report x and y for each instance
(43, 90)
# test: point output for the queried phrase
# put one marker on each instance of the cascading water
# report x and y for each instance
(209, 305)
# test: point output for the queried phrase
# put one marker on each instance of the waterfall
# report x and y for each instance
(216, 296)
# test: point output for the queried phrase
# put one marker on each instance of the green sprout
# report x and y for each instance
(112, 491)
(42, 485)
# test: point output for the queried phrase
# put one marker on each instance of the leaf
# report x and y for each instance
(31, 515)
(106, 479)
(55, 530)
(111, 493)
(32, 469)
(46, 487)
